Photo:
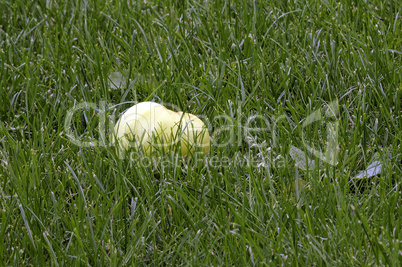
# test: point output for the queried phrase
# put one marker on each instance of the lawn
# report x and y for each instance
(301, 99)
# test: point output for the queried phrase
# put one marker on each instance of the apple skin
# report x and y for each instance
(147, 125)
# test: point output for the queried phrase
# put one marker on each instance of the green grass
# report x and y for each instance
(62, 204)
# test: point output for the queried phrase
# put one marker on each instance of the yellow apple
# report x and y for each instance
(149, 125)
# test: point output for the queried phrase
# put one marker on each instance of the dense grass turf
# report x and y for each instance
(240, 66)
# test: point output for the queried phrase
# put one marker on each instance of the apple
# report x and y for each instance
(148, 125)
